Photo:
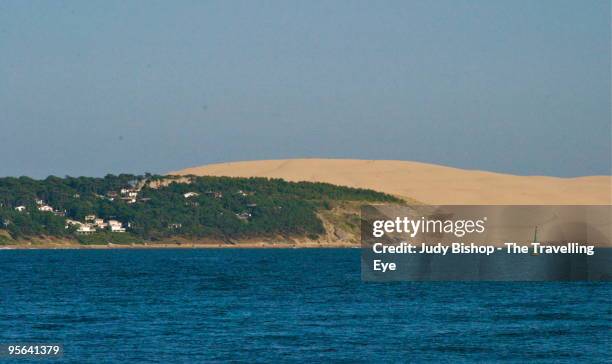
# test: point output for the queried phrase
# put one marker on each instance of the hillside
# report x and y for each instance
(128, 209)
(432, 184)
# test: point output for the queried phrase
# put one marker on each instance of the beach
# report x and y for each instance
(185, 245)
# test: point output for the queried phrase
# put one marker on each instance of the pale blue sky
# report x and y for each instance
(96, 87)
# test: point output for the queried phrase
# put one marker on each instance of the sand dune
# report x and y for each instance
(428, 183)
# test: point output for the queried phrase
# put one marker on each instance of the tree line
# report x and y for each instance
(217, 207)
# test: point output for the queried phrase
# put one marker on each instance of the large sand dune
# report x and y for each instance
(427, 183)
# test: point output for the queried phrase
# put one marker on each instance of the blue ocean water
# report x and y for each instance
(277, 305)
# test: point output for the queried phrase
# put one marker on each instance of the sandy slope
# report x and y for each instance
(428, 183)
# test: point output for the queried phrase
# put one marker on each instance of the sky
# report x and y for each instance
(97, 87)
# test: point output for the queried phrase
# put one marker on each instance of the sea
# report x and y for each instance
(285, 305)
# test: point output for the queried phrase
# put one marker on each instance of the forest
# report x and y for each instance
(153, 208)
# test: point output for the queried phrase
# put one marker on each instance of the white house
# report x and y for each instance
(70, 223)
(190, 194)
(86, 229)
(117, 229)
(100, 223)
(116, 226)
(45, 208)
(20, 208)
(129, 192)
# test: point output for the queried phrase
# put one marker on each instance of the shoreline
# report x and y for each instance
(261, 245)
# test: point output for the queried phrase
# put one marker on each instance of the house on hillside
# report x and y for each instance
(117, 229)
(190, 194)
(129, 192)
(20, 208)
(115, 226)
(45, 208)
(70, 222)
(100, 223)
(86, 229)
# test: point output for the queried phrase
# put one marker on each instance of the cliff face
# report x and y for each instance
(342, 224)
